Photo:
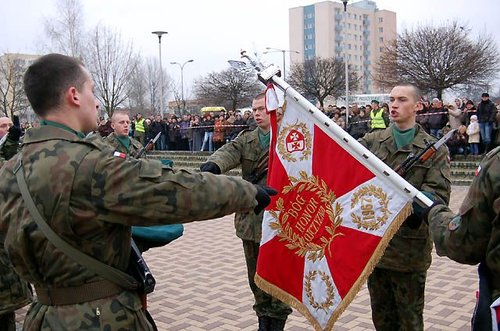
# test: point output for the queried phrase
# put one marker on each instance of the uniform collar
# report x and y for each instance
(418, 141)
(49, 132)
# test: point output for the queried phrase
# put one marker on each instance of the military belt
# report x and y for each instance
(59, 296)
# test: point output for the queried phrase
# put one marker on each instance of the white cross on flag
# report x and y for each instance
(329, 224)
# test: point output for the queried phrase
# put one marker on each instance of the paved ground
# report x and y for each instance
(202, 286)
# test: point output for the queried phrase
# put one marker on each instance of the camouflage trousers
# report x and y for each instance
(8, 322)
(397, 299)
(265, 305)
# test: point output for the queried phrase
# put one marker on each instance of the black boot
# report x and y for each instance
(277, 324)
(264, 323)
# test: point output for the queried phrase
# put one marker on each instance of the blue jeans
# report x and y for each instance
(208, 137)
(474, 148)
(485, 130)
(436, 132)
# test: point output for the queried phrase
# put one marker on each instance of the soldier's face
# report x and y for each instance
(88, 104)
(403, 106)
(120, 124)
(5, 124)
(259, 113)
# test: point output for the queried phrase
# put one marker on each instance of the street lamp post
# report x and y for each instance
(159, 34)
(283, 51)
(182, 81)
(346, 60)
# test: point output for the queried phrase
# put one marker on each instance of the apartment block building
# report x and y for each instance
(320, 30)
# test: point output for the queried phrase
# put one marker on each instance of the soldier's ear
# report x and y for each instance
(72, 96)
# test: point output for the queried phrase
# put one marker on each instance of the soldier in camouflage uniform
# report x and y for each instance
(473, 235)
(11, 134)
(397, 283)
(119, 138)
(14, 292)
(90, 196)
(251, 150)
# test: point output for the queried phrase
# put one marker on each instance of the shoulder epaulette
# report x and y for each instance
(244, 131)
(493, 152)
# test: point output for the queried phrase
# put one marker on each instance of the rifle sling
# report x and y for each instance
(109, 273)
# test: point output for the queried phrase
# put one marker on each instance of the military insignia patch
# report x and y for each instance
(455, 223)
(294, 142)
(119, 154)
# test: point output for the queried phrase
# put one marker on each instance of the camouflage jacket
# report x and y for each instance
(14, 292)
(133, 149)
(410, 249)
(246, 151)
(474, 235)
(8, 149)
(90, 198)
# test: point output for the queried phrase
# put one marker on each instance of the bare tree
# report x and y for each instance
(176, 90)
(438, 58)
(319, 78)
(112, 63)
(65, 30)
(230, 88)
(153, 82)
(12, 97)
(137, 96)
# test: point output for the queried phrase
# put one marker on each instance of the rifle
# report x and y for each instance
(149, 145)
(429, 151)
(138, 269)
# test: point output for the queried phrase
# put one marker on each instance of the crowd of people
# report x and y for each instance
(189, 132)
(477, 124)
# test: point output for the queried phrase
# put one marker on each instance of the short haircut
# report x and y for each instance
(48, 78)
(119, 112)
(260, 96)
(417, 94)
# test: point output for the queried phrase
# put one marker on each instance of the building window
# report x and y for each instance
(381, 20)
(381, 29)
(381, 49)
(355, 47)
(381, 39)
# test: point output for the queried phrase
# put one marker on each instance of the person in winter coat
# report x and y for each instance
(473, 132)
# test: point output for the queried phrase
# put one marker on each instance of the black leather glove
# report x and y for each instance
(263, 197)
(210, 167)
(14, 133)
(420, 213)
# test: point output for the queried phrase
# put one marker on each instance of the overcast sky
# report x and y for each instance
(212, 32)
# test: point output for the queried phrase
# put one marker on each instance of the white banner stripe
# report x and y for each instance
(397, 202)
(319, 289)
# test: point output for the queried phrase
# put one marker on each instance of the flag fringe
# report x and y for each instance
(406, 211)
(377, 254)
(288, 299)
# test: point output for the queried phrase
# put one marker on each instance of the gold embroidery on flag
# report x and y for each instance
(309, 221)
(294, 139)
(325, 305)
(368, 219)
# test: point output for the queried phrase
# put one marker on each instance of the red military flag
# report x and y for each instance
(330, 222)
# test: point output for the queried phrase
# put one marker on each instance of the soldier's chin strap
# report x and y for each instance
(109, 273)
